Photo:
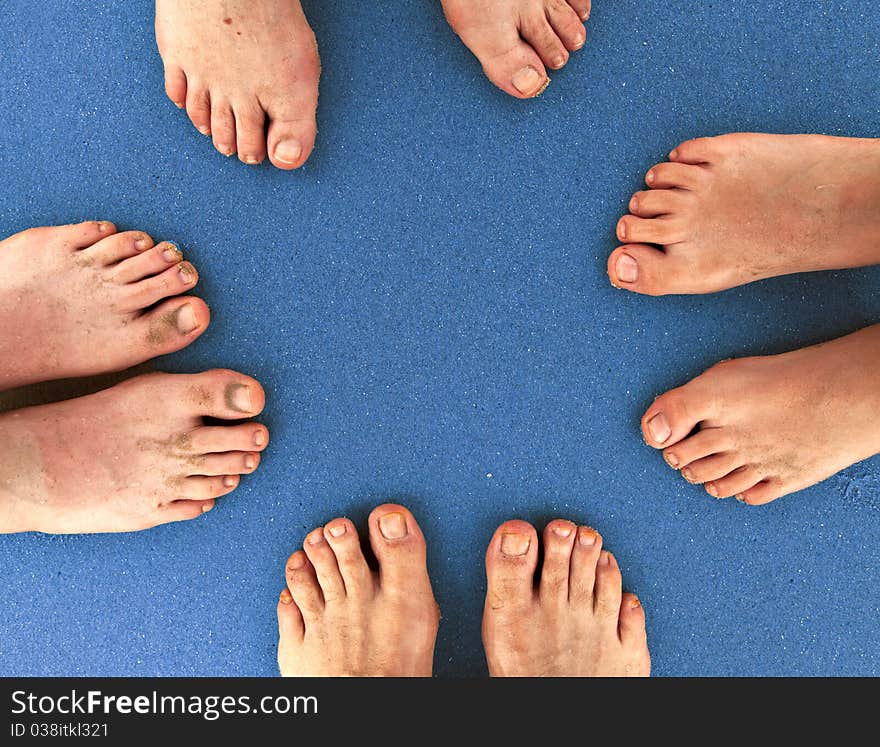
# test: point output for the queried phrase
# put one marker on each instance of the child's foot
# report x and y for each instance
(770, 426)
(240, 66)
(337, 618)
(515, 39)
(130, 457)
(80, 300)
(575, 623)
(733, 209)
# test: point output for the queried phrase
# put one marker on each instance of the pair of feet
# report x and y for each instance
(247, 71)
(339, 617)
(86, 299)
(730, 210)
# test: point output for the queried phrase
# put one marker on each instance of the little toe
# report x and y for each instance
(764, 492)
(538, 32)
(737, 482)
(644, 269)
(342, 536)
(675, 176)
(323, 559)
(226, 463)
(584, 557)
(582, 8)
(184, 510)
(178, 278)
(697, 151)
(567, 23)
(631, 627)
(291, 624)
(175, 85)
(147, 263)
(117, 247)
(703, 443)
(223, 127)
(201, 488)
(675, 414)
(608, 590)
(302, 583)
(399, 546)
(171, 326)
(559, 539)
(250, 130)
(198, 107)
(712, 467)
(209, 439)
(511, 560)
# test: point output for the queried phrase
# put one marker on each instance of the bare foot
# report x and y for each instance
(80, 300)
(733, 209)
(130, 457)
(515, 39)
(773, 425)
(576, 623)
(238, 65)
(337, 618)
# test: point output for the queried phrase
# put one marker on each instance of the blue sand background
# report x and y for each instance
(427, 306)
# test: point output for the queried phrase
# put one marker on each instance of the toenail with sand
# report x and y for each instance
(514, 544)
(238, 397)
(527, 81)
(186, 320)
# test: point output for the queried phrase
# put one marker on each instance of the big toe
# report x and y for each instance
(510, 566)
(399, 546)
(675, 414)
(221, 394)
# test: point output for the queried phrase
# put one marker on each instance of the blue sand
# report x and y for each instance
(427, 306)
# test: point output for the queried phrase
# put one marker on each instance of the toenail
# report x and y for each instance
(687, 475)
(559, 61)
(562, 530)
(238, 397)
(650, 177)
(141, 243)
(297, 561)
(673, 154)
(621, 229)
(634, 603)
(207, 507)
(711, 489)
(585, 15)
(250, 462)
(659, 428)
(259, 438)
(224, 149)
(627, 269)
(580, 42)
(187, 273)
(337, 530)
(186, 320)
(527, 81)
(605, 558)
(104, 226)
(172, 254)
(392, 526)
(316, 537)
(179, 104)
(229, 481)
(515, 544)
(288, 151)
(587, 537)
(205, 130)
(250, 160)
(671, 460)
(741, 498)
(285, 597)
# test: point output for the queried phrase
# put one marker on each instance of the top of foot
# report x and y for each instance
(247, 73)
(336, 617)
(93, 298)
(730, 210)
(517, 40)
(576, 622)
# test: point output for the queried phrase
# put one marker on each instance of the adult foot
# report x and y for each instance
(515, 39)
(729, 210)
(576, 622)
(337, 618)
(82, 299)
(238, 65)
(130, 457)
(766, 427)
